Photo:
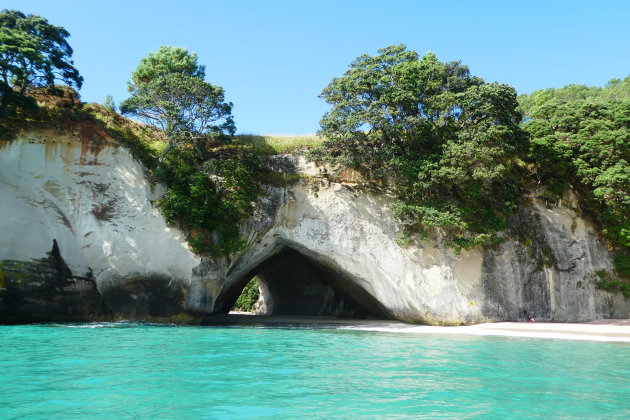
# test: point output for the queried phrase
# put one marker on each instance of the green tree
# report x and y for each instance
(109, 103)
(168, 91)
(34, 53)
(615, 89)
(444, 139)
(166, 60)
(248, 297)
(585, 144)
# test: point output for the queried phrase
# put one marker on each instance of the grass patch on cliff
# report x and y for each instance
(272, 145)
(144, 142)
(41, 108)
(60, 108)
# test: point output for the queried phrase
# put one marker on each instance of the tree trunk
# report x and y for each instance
(170, 147)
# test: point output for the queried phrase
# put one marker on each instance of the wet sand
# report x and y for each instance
(610, 330)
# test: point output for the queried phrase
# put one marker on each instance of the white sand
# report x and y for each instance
(610, 330)
(614, 330)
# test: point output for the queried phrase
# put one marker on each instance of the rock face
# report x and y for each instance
(86, 194)
(321, 246)
(46, 289)
(290, 284)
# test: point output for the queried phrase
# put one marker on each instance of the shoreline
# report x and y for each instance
(605, 330)
(613, 330)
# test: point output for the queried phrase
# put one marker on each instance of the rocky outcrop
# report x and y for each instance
(46, 290)
(547, 264)
(89, 196)
(321, 246)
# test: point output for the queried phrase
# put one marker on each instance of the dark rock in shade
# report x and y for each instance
(292, 284)
(143, 296)
(544, 271)
(285, 164)
(46, 290)
(526, 262)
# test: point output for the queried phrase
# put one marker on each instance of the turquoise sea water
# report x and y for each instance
(129, 371)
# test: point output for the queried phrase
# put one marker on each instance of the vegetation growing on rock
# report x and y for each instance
(448, 144)
(209, 198)
(248, 297)
(444, 140)
(580, 139)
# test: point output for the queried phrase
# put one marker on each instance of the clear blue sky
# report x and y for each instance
(274, 57)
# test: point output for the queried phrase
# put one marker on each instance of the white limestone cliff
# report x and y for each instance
(93, 198)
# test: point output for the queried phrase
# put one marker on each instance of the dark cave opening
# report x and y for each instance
(292, 284)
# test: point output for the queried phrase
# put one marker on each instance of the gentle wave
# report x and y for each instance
(114, 324)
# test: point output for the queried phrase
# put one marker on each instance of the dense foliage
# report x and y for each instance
(444, 139)
(615, 89)
(168, 91)
(248, 297)
(166, 60)
(34, 53)
(580, 138)
(210, 198)
(448, 144)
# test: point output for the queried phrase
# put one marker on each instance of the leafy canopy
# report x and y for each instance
(166, 60)
(168, 91)
(248, 297)
(615, 89)
(34, 53)
(210, 200)
(444, 139)
(580, 137)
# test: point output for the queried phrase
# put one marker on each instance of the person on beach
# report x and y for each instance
(529, 316)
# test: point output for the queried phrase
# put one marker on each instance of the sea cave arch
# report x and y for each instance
(295, 282)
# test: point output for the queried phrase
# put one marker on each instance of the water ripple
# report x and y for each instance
(136, 370)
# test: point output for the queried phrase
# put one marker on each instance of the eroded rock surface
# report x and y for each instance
(90, 197)
(323, 237)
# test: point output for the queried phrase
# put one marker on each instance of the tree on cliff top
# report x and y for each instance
(34, 53)
(166, 60)
(444, 139)
(580, 139)
(168, 91)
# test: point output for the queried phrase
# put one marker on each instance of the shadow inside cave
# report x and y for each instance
(297, 288)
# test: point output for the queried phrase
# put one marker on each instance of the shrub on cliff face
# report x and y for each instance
(210, 199)
(444, 139)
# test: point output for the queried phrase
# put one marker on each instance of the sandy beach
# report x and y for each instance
(608, 330)
(612, 330)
